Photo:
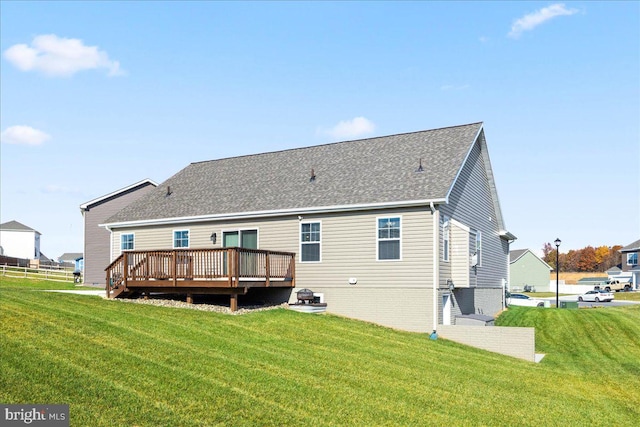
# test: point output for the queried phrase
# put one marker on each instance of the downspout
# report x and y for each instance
(110, 243)
(435, 214)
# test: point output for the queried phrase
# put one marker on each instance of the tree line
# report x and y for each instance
(587, 259)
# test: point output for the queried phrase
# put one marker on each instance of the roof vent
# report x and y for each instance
(313, 176)
(420, 168)
(168, 191)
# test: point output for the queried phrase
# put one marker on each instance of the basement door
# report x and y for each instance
(446, 309)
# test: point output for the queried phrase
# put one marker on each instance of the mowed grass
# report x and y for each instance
(120, 364)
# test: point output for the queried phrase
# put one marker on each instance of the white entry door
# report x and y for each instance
(446, 309)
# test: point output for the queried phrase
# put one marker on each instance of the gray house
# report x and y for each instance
(528, 269)
(97, 239)
(630, 265)
(404, 230)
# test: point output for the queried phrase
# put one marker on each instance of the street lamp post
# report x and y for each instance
(557, 242)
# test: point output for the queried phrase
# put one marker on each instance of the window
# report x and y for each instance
(310, 242)
(388, 238)
(632, 258)
(479, 248)
(446, 236)
(240, 238)
(126, 242)
(181, 239)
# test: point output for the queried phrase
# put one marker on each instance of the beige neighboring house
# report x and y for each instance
(97, 239)
(526, 269)
(19, 241)
(404, 230)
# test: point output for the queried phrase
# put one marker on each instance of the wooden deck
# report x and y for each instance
(230, 271)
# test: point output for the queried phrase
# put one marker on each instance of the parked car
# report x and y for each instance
(596, 295)
(524, 300)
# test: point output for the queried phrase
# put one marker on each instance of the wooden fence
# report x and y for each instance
(56, 275)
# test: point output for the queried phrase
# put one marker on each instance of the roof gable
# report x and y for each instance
(16, 226)
(516, 254)
(633, 247)
(378, 171)
(132, 187)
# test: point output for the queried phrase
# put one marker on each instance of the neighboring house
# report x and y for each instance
(96, 238)
(528, 269)
(76, 259)
(404, 230)
(19, 241)
(630, 266)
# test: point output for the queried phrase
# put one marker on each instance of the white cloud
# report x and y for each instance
(532, 20)
(60, 57)
(23, 135)
(355, 127)
(454, 87)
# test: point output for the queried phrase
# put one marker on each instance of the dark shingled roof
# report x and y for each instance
(362, 172)
(631, 247)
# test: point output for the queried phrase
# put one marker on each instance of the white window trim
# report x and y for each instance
(301, 243)
(478, 239)
(134, 241)
(173, 238)
(629, 255)
(378, 218)
(446, 237)
(239, 231)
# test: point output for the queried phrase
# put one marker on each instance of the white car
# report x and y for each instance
(596, 295)
(524, 300)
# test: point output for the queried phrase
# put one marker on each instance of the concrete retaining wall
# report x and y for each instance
(510, 341)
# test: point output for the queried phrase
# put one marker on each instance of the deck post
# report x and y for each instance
(175, 269)
(189, 299)
(233, 302)
(125, 265)
(237, 267)
(267, 270)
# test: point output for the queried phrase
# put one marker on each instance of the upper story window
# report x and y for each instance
(446, 238)
(126, 242)
(632, 258)
(310, 242)
(181, 239)
(388, 238)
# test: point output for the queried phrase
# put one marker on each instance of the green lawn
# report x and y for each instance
(120, 364)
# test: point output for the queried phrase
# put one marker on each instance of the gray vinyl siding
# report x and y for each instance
(471, 204)
(97, 239)
(391, 293)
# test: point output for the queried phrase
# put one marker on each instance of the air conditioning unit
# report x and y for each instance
(474, 260)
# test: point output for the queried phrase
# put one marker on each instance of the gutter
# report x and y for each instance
(269, 214)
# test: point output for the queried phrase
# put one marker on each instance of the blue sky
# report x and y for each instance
(96, 96)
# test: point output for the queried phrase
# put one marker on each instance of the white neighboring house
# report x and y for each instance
(19, 241)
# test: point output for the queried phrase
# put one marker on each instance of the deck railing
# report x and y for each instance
(230, 264)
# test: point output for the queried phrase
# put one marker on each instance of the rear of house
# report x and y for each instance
(404, 230)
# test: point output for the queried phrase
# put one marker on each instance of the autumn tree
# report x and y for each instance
(588, 259)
